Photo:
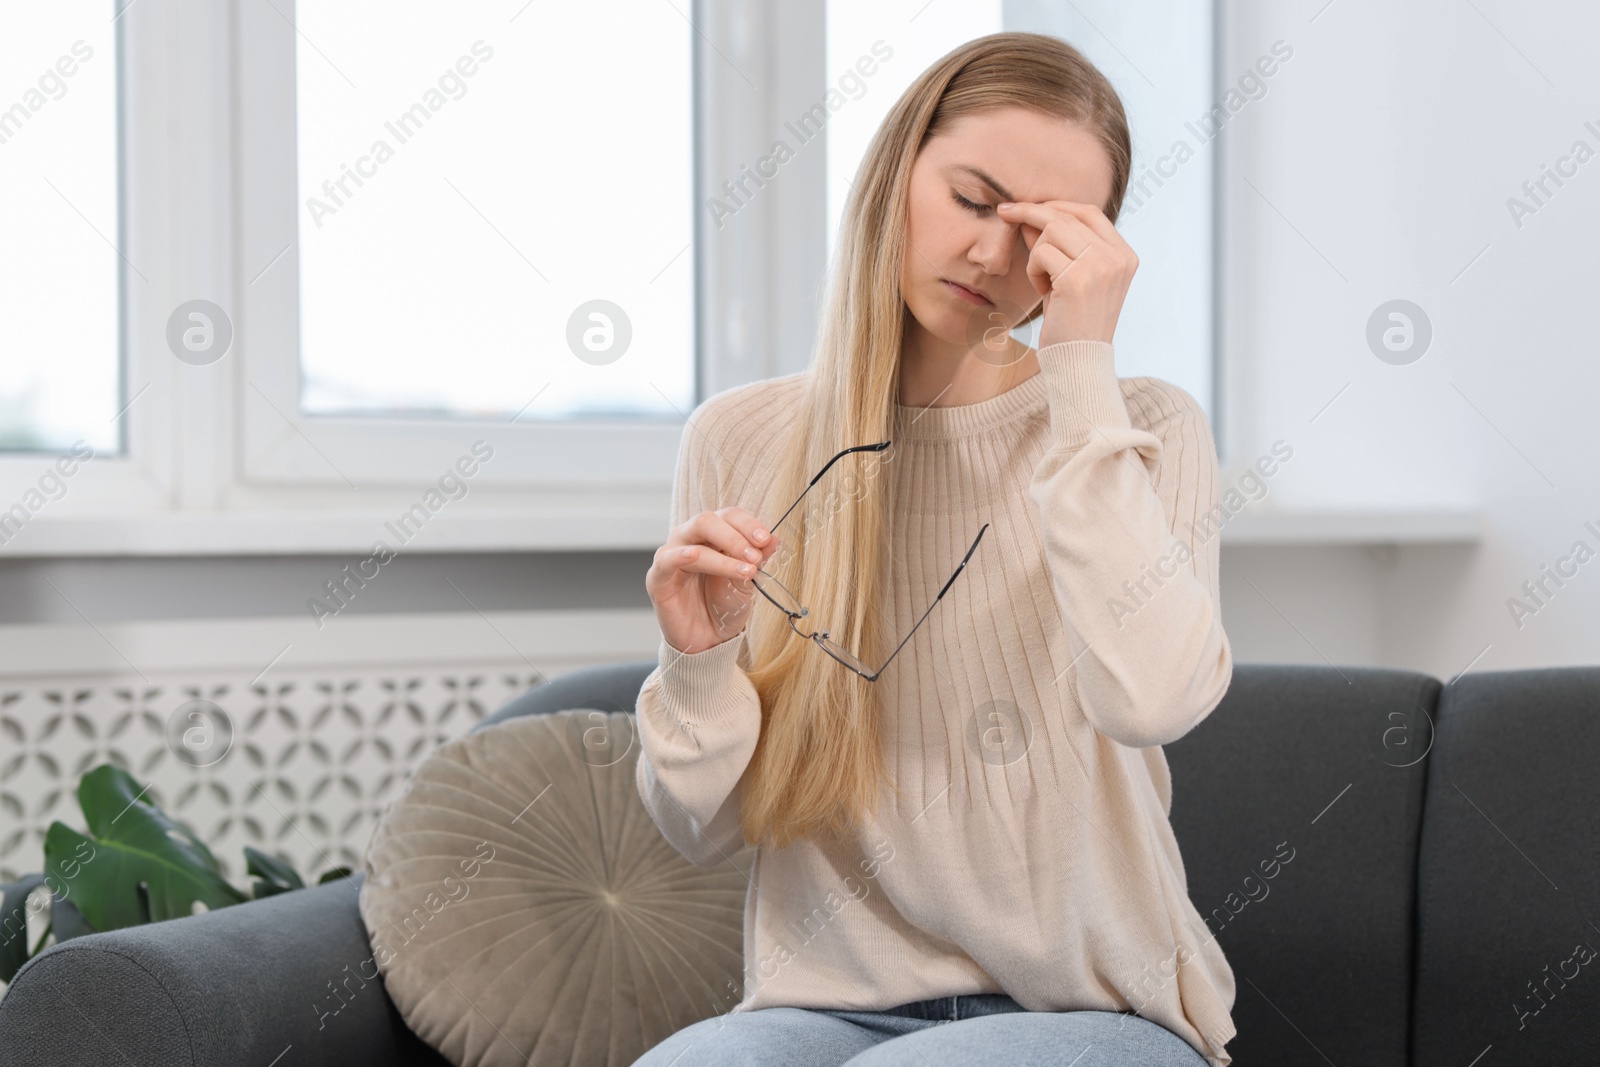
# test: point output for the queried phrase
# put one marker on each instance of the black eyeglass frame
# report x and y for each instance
(820, 637)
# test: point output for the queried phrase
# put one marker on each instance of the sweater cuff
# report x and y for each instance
(1081, 377)
(702, 686)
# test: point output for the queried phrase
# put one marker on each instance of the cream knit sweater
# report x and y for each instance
(1030, 852)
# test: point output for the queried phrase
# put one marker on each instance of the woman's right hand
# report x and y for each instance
(700, 582)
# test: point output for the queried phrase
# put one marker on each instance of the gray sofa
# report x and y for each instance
(1400, 873)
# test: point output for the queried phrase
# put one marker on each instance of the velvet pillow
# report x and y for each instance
(524, 909)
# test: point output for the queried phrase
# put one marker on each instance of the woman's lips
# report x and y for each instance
(965, 294)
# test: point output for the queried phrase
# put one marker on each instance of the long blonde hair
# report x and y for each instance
(818, 766)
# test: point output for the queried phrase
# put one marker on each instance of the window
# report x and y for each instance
(60, 230)
(386, 228)
(458, 225)
(493, 220)
(293, 370)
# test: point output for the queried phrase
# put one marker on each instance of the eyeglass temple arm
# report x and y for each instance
(879, 447)
(955, 574)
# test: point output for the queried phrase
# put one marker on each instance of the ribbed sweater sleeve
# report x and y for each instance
(1140, 604)
(698, 715)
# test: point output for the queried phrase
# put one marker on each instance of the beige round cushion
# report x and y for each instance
(524, 909)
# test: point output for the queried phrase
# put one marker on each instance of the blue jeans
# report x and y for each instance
(946, 1031)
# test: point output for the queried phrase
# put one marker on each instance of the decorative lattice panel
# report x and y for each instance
(312, 761)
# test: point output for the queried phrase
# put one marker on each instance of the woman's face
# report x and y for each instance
(984, 159)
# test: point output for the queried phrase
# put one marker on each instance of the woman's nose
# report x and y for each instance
(997, 247)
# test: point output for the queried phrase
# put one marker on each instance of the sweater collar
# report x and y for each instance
(960, 420)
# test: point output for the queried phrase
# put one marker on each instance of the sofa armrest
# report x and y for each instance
(239, 985)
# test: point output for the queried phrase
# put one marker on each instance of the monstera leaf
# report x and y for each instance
(273, 876)
(14, 924)
(138, 866)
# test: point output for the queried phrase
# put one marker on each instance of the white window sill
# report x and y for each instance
(554, 640)
(1354, 526)
(616, 526)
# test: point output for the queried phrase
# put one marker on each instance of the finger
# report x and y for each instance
(1092, 217)
(1070, 235)
(1041, 214)
(713, 528)
(676, 560)
(1036, 215)
(1065, 218)
(753, 529)
(1047, 264)
(1048, 222)
(1028, 234)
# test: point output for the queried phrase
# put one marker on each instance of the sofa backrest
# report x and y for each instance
(1509, 881)
(1297, 804)
(1321, 811)
(607, 687)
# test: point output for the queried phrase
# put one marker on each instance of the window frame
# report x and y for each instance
(280, 446)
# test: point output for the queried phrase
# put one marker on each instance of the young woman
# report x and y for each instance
(978, 835)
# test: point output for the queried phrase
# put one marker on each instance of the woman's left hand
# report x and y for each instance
(1079, 263)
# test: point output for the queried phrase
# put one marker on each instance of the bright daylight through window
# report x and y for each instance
(472, 244)
(59, 232)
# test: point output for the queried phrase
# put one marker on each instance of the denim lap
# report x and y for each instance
(769, 1037)
(764, 1037)
(1037, 1039)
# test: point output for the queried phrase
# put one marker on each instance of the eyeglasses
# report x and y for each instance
(784, 599)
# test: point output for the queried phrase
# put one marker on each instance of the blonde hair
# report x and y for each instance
(818, 766)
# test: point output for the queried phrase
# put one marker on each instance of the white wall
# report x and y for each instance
(1380, 166)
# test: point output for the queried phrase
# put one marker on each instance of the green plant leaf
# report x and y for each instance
(275, 876)
(134, 842)
(332, 873)
(14, 924)
(67, 922)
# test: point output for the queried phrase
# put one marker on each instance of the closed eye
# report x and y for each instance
(976, 209)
